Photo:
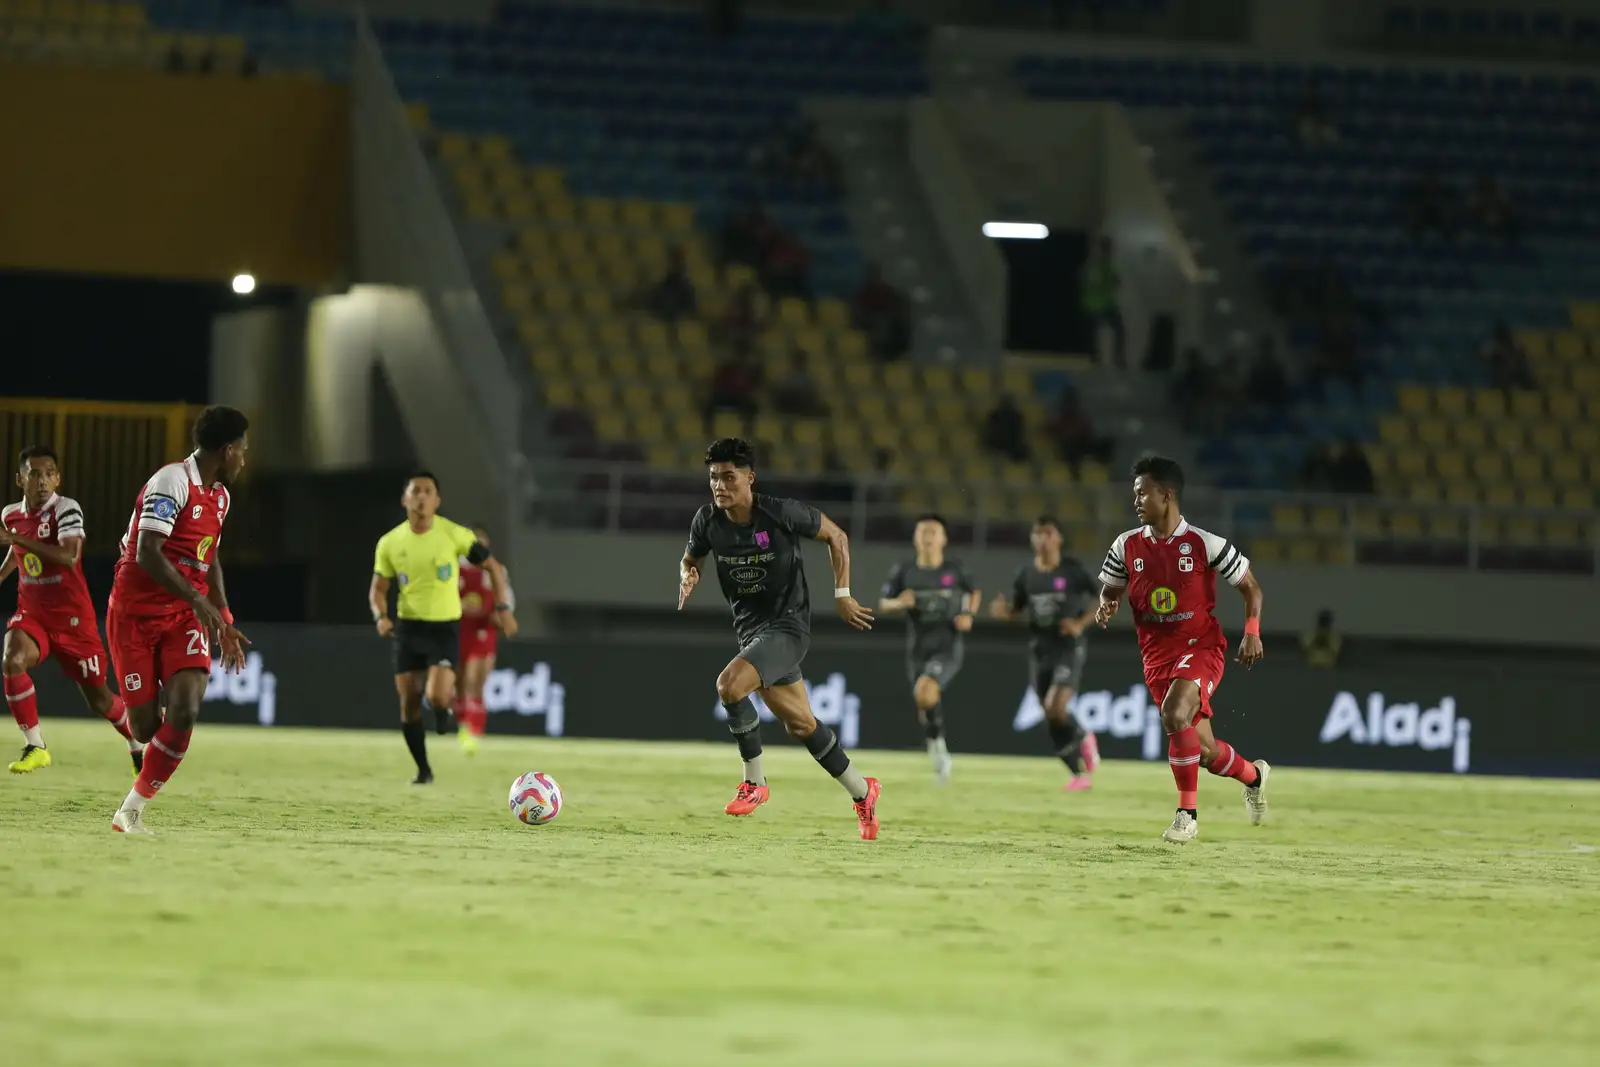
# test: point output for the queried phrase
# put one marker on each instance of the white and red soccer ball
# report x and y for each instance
(535, 798)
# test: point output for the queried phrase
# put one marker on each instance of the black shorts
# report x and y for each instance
(420, 646)
(776, 655)
(1058, 667)
(942, 667)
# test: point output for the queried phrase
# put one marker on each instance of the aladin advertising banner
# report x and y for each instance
(1440, 714)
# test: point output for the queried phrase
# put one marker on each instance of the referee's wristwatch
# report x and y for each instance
(502, 607)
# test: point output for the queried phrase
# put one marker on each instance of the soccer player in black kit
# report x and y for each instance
(938, 600)
(756, 540)
(1057, 599)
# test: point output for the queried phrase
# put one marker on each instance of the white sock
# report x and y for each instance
(853, 783)
(135, 802)
(937, 752)
(752, 771)
(134, 746)
(33, 737)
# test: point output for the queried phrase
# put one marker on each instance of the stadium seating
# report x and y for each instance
(94, 33)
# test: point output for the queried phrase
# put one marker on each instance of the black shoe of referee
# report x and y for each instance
(423, 778)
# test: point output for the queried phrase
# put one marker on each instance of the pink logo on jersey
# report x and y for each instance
(1060, 584)
(947, 580)
(763, 539)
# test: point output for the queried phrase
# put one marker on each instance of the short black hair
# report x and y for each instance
(218, 427)
(934, 516)
(432, 477)
(1161, 470)
(1047, 520)
(735, 450)
(36, 452)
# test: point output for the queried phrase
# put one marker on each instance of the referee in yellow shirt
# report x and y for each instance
(424, 555)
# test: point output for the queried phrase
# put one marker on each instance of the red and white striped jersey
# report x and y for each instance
(175, 503)
(49, 590)
(1172, 586)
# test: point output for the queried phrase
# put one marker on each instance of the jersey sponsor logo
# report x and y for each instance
(204, 547)
(250, 685)
(1400, 726)
(947, 580)
(748, 574)
(444, 571)
(1138, 564)
(1059, 584)
(197, 512)
(32, 565)
(1102, 711)
(531, 693)
(748, 561)
(164, 507)
(831, 702)
(1163, 601)
(1186, 563)
(132, 683)
(1185, 548)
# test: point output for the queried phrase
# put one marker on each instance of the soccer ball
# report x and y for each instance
(535, 798)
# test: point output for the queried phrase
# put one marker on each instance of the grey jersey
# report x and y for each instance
(759, 565)
(1047, 597)
(942, 593)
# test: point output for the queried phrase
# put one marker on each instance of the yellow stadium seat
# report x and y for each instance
(1445, 525)
(497, 149)
(677, 218)
(728, 424)
(808, 433)
(1489, 467)
(1522, 530)
(1017, 476)
(1586, 315)
(560, 393)
(1527, 468)
(1535, 343)
(794, 313)
(574, 334)
(771, 429)
(1091, 472)
(1327, 521)
(1266, 550)
(662, 365)
(557, 209)
(1394, 430)
(611, 426)
(454, 147)
(852, 344)
(557, 301)
(1464, 494)
(534, 331)
(547, 361)
(846, 435)
(1416, 400)
(1411, 462)
(1539, 496)
(1569, 345)
(1406, 526)
(1367, 522)
(572, 244)
(910, 408)
(598, 211)
(1489, 403)
(872, 407)
(1546, 437)
(1508, 436)
(624, 366)
(925, 440)
(1305, 550)
(652, 335)
(516, 207)
(692, 336)
(1565, 406)
(899, 377)
(883, 435)
(1450, 465)
(937, 472)
(975, 381)
(507, 265)
(812, 342)
(1379, 458)
(1577, 498)
(677, 397)
(664, 454)
(1451, 402)
(1288, 519)
(595, 301)
(688, 426)
(479, 207)
(833, 313)
(1527, 404)
(132, 15)
(1563, 532)
(1586, 380)
(613, 336)
(1500, 495)
(1585, 437)
(1424, 491)
(860, 376)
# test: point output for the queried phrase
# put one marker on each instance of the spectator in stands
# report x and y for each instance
(1322, 642)
(1100, 296)
(733, 388)
(1508, 364)
(1312, 120)
(1269, 381)
(881, 311)
(796, 394)
(742, 322)
(1317, 475)
(1005, 432)
(746, 234)
(1074, 434)
(786, 270)
(1351, 471)
(1490, 209)
(672, 296)
(1431, 208)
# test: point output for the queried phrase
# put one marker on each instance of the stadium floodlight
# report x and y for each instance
(244, 284)
(1025, 231)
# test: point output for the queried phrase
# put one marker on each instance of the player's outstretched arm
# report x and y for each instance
(1250, 650)
(154, 562)
(688, 577)
(503, 616)
(1110, 601)
(232, 641)
(66, 554)
(838, 542)
(378, 601)
(896, 597)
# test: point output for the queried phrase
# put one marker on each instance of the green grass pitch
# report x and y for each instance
(303, 905)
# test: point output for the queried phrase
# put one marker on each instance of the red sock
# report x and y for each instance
(22, 700)
(1229, 764)
(1183, 752)
(161, 758)
(118, 717)
(474, 716)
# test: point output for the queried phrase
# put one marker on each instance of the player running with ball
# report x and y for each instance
(1169, 570)
(756, 539)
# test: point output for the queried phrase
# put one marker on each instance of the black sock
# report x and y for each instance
(441, 716)
(417, 742)
(744, 722)
(933, 723)
(1194, 813)
(1067, 738)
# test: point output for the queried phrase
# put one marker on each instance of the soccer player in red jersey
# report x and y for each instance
(169, 606)
(1170, 572)
(480, 639)
(44, 535)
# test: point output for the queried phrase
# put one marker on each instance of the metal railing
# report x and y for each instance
(1294, 527)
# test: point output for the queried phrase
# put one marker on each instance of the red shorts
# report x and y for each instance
(78, 649)
(149, 649)
(479, 639)
(1202, 666)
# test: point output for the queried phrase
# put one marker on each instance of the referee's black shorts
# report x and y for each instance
(420, 645)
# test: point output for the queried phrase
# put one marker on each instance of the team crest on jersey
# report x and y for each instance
(44, 529)
(1186, 563)
(1163, 601)
(198, 510)
(1185, 548)
(132, 683)
(1138, 564)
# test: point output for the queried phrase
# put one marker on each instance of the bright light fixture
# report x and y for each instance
(1026, 231)
(244, 284)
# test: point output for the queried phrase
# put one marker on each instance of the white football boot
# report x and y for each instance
(1184, 828)
(940, 757)
(1255, 796)
(127, 821)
